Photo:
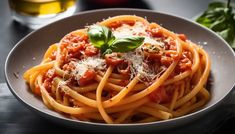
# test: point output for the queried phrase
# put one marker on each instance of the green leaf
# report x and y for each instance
(214, 5)
(214, 13)
(107, 51)
(100, 35)
(218, 25)
(103, 38)
(232, 44)
(228, 35)
(220, 18)
(126, 44)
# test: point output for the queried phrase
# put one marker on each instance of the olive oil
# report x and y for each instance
(40, 7)
(37, 13)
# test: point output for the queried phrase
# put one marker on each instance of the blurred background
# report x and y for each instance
(20, 17)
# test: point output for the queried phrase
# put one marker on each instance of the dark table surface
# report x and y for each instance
(17, 119)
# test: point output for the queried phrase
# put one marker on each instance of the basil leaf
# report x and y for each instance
(100, 36)
(218, 25)
(214, 13)
(214, 5)
(109, 35)
(220, 18)
(126, 44)
(107, 51)
(228, 34)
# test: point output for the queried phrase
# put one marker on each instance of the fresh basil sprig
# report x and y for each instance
(100, 36)
(220, 18)
(126, 44)
(103, 38)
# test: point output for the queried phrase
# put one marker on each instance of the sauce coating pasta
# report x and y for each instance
(162, 77)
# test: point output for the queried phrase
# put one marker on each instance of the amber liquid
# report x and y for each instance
(40, 7)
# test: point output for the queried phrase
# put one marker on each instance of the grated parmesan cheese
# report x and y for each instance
(136, 58)
(139, 29)
(88, 63)
(138, 66)
(126, 30)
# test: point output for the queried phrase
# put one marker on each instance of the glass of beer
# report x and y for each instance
(36, 13)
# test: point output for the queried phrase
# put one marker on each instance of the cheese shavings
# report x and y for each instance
(139, 67)
(88, 63)
(139, 29)
(126, 30)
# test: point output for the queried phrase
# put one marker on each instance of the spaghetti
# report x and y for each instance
(163, 78)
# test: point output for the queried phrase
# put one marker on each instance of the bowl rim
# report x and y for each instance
(198, 112)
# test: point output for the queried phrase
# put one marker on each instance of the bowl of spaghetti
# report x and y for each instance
(127, 70)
